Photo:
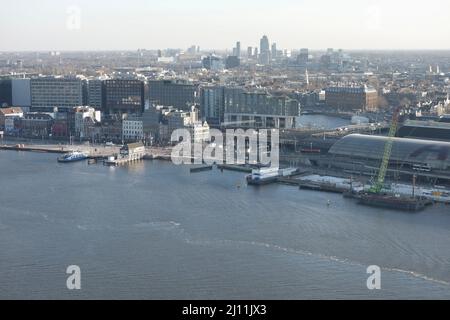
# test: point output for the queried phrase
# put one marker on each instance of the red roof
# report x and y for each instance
(9, 111)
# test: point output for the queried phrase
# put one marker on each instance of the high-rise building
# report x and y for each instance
(56, 92)
(95, 94)
(260, 109)
(274, 50)
(5, 93)
(123, 96)
(171, 93)
(238, 49)
(264, 44)
(21, 92)
(212, 104)
(264, 56)
(249, 52)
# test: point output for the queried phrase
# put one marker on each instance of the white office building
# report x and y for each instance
(133, 129)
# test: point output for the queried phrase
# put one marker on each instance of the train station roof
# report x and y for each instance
(403, 149)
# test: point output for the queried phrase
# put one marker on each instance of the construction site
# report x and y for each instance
(375, 169)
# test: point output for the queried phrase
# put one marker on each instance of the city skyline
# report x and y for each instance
(82, 25)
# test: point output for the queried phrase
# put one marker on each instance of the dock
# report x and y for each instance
(234, 167)
(119, 162)
(33, 149)
(200, 168)
(322, 186)
(130, 152)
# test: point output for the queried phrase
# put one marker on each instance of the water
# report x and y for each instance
(154, 231)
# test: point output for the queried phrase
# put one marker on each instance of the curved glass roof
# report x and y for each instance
(405, 150)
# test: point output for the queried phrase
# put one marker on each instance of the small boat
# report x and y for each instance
(263, 176)
(72, 157)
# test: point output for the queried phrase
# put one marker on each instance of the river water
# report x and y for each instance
(152, 230)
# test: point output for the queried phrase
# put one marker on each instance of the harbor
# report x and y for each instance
(202, 222)
(303, 177)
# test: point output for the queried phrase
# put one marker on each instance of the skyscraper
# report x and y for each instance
(274, 50)
(237, 49)
(264, 56)
(264, 44)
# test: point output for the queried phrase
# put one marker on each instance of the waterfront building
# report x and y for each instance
(133, 151)
(212, 104)
(179, 94)
(56, 92)
(178, 119)
(109, 130)
(35, 124)
(427, 159)
(95, 94)
(60, 128)
(21, 92)
(83, 117)
(133, 129)
(151, 119)
(9, 114)
(5, 93)
(260, 109)
(123, 96)
(199, 131)
(352, 98)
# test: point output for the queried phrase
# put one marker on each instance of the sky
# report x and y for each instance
(29, 25)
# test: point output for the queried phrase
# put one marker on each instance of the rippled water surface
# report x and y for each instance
(154, 231)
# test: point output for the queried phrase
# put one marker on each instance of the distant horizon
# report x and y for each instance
(83, 25)
(219, 50)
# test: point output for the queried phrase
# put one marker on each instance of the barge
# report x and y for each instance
(391, 201)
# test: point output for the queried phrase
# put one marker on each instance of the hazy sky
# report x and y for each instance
(153, 24)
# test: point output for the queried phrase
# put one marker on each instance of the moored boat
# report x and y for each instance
(72, 157)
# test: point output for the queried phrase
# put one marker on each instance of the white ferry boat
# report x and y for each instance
(73, 156)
